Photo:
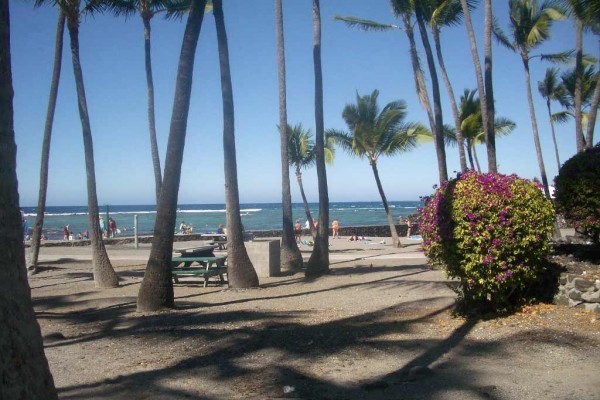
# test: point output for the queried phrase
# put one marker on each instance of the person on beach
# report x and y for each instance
(222, 230)
(335, 227)
(182, 227)
(408, 227)
(102, 227)
(66, 232)
(112, 226)
(298, 231)
(25, 226)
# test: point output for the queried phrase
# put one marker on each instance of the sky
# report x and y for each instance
(353, 61)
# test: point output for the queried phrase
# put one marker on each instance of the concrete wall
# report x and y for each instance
(264, 255)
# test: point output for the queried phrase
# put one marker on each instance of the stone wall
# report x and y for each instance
(577, 291)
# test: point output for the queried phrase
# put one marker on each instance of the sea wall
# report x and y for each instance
(367, 231)
(577, 291)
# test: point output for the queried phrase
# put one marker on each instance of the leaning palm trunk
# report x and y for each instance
(311, 224)
(440, 149)
(156, 290)
(390, 218)
(476, 159)
(23, 365)
(104, 274)
(553, 132)
(592, 115)
(470, 154)
(318, 264)
(290, 256)
(479, 75)
(151, 117)
(41, 207)
(580, 140)
(459, 136)
(490, 130)
(240, 272)
(536, 137)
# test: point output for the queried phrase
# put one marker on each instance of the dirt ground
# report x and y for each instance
(380, 326)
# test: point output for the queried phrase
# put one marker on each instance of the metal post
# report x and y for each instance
(135, 231)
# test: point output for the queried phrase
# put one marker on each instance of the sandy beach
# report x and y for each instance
(380, 326)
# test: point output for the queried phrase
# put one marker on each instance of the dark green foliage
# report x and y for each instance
(578, 192)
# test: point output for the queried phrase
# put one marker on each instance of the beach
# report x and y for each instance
(379, 326)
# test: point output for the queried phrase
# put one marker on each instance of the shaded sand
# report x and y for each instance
(380, 326)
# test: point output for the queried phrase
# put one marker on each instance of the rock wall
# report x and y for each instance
(577, 291)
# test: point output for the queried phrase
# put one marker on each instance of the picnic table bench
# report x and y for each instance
(208, 267)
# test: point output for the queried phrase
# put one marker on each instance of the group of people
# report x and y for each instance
(111, 230)
(183, 228)
(335, 228)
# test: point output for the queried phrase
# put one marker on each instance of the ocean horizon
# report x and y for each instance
(207, 217)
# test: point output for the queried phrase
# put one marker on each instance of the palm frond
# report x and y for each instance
(500, 36)
(562, 116)
(559, 58)
(365, 24)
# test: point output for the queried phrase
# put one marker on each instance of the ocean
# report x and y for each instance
(207, 217)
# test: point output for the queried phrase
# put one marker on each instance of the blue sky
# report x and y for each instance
(112, 56)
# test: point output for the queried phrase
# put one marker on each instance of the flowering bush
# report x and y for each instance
(578, 192)
(490, 231)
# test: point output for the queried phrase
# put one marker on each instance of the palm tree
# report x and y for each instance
(373, 133)
(41, 207)
(318, 263)
(472, 125)
(104, 274)
(447, 13)
(551, 90)
(530, 25)
(240, 272)
(489, 89)
(156, 290)
(290, 256)
(23, 365)
(147, 10)
(301, 154)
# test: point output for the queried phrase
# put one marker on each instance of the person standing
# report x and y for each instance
(112, 226)
(102, 227)
(335, 227)
(298, 231)
(66, 232)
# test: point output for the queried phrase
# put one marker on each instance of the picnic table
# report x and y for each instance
(219, 239)
(207, 267)
(198, 251)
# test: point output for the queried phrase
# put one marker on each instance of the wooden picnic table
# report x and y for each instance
(198, 251)
(206, 268)
(219, 239)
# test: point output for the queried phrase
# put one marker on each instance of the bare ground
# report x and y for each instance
(378, 327)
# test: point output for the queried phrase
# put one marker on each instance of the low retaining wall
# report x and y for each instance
(577, 291)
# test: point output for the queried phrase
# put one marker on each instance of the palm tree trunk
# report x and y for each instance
(480, 84)
(490, 131)
(593, 113)
(459, 136)
(290, 256)
(470, 154)
(579, 139)
(151, 118)
(156, 290)
(476, 159)
(417, 72)
(394, 233)
(318, 264)
(104, 274)
(440, 148)
(311, 224)
(41, 207)
(23, 365)
(240, 272)
(553, 133)
(536, 137)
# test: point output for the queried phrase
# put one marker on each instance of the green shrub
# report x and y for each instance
(578, 192)
(490, 231)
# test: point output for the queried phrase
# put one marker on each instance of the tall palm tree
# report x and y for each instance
(156, 290)
(23, 365)
(104, 274)
(489, 89)
(472, 125)
(41, 207)
(147, 10)
(240, 272)
(373, 133)
(551, 90)
(448, 13)
(301, 154)
(290, 256)
(318, 263)
(530, 24)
